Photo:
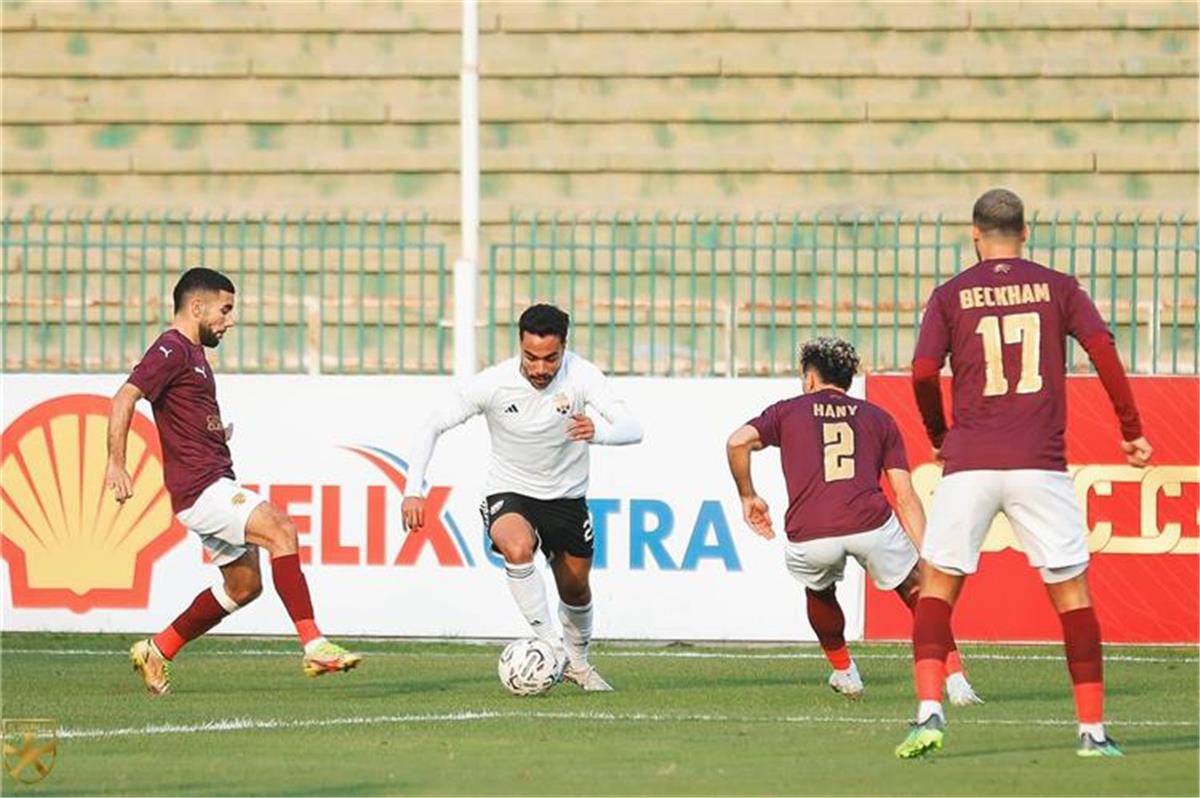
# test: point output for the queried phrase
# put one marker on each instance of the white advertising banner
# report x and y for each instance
(674, 560)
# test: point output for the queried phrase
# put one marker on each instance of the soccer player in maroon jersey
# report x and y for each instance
(835, 450)
(232, 522)
(1004, 323)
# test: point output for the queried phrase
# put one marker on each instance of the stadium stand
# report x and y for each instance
(321, 110)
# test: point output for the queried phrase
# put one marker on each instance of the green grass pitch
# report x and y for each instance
(421, 718)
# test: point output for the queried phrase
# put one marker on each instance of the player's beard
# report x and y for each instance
(539, 382)
(208, 337)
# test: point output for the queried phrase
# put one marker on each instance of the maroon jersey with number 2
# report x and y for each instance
(1004, 323)
(834, 449)
(175, 377)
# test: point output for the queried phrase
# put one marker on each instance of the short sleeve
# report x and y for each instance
(934, 341)
(767, 424)
(894, 455)
(1083, 320)
(161, 364)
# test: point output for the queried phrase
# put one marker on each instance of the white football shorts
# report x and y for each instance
(219, 517)
(1041, 506)
(886, 553)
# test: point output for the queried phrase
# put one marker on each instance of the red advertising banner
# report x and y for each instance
(1142, 524)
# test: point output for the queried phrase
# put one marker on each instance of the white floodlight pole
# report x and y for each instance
(466, 267)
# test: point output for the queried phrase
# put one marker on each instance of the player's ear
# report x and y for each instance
(196, 304)
(1024, 233)
(976, 233)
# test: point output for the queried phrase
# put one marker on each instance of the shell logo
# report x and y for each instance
(68, 544)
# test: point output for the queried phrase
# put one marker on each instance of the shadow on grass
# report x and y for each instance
(1174, 742)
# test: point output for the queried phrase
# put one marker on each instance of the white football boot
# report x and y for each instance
(586, 677)
(847, 682)
(960, 692)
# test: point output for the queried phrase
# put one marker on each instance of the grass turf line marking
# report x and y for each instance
(268, 724)
(267, 652)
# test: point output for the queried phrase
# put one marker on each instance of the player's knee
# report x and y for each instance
(575, 595)
(515, 546)
(241, 587)
(284, 536)
(245, 591)
(517, 551)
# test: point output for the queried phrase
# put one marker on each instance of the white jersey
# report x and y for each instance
(531, 454)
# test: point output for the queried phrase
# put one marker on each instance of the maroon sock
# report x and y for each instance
(827, 620)
(1085, 661)
(931, 644)
(292, 588)
(953, 660)
(204, 613)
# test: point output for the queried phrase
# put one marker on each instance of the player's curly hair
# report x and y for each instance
(834, 359)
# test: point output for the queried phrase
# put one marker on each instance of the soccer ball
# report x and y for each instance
(530, 666)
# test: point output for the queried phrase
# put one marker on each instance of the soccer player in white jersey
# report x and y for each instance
(538, 473)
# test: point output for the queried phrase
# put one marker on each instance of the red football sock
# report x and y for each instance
(826, 618)
(931, 645)
(1081, 638)
(204, 613)
(953, 659)
(292, 588)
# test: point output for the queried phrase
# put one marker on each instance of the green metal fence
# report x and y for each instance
(735, 296)
(648, 295)
(337, 295)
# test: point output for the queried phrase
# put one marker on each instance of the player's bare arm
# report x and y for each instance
(908, 505)
(755, 511)
(117, 477)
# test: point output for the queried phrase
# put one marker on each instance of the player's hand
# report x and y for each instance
(413, 511)
(758, 516)
(581, 428)
(1137, 452)
(117, 479)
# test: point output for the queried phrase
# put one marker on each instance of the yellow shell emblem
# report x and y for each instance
(68, 543)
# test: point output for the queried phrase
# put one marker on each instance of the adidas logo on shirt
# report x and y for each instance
(511, 409)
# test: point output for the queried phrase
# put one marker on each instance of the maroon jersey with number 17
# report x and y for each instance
(834, 449)
(1004, 324)
(175, 377)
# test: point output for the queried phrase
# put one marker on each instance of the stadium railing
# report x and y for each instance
(315, 294)
(658, 295)
(736, 296)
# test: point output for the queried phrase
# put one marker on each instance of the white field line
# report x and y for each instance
(487, 652)
(266, 724)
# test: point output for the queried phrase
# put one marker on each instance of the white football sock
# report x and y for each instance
(1093, 730)
(577, 631)
(529, 591)
(227, 604)
(927, 709)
